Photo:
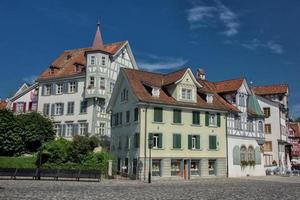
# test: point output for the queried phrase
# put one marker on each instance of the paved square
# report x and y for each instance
(245, 188)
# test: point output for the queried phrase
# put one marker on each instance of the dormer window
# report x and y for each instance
(155, 92)
(92, 60)
(241, 100)
(186, 94)
(209, 98)
(124, 95)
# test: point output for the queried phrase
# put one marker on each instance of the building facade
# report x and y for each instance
(184, 121)
(294, 139)
(245, 133)
(76, 87)
(274, 101)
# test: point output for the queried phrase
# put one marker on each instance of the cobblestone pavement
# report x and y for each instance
(233, 188)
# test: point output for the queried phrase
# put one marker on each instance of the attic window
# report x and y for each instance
(209, 98)
(155, 92)
(186, 94)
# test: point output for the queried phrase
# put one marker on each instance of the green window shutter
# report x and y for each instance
(196, 117)
(176, 116)
(198, 142)
(206, 118)
(190, 141)
(158, 114)
(218, 120)
(179, 116)
(212, 142)
(257, 156)
(236, 155)
(150, 136)
(174, 141)
(178, 141)
(160, 141)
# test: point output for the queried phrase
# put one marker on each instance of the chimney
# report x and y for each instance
(200, 74)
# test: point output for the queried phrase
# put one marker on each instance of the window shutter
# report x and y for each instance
(63, 130)
(30, 106)
(52, 109)
(14, 107)
(24, 107)
(137, 140)
(218, 120)
(236, 155)
(257, 156)
(75, 129)
(62, 108)
(52, 89)
(190, 141)
(174, 141)
(76, 86)
(43, 90)
(150, 136)
(160, 141)
(206, 118)
(198, 142)
(65, 85)
(179, 141)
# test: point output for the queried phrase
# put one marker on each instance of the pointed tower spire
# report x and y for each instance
(98, 43)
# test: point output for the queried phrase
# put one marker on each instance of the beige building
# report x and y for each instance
(183, 119)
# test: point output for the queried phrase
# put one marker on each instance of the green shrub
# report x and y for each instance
(17, 162)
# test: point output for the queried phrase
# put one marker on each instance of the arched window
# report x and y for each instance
(243, 153)
(251, 153)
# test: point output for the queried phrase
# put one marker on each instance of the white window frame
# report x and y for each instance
(57, 129)
(93, 60)
(155, 141)
(72, 87)
(212, 119)
(83, 128)
(186, 94)
(20, 107)
(70, 108)
(59, 88)
(194, 142)
(102, 128)
(58, 109)
(92, 82)
(102, 83)
(47, 89)
(69, 129)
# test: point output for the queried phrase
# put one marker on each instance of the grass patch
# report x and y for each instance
(17, 162)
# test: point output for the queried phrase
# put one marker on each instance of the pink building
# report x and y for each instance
(294, 138)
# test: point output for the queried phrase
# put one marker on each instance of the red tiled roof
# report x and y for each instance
(228, 85)
(65, 64)
(271, 89)
(136, 78)
(296, 128)
(3, 104)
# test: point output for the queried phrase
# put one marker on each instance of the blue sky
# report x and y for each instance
(255, 39)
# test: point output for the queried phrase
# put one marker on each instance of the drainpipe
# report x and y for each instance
(227, 172)
(145, 142)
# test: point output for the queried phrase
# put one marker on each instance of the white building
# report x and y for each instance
(76, 87)
(244, 128)
(274, 101)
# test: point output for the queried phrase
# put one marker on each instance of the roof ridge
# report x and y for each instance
(233, 79)
(178, 70)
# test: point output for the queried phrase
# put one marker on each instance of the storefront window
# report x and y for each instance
(195, 167)
(156, 168)
(212, 167)
(175, 168)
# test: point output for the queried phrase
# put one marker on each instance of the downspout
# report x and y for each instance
(227, 172)
(145, 142)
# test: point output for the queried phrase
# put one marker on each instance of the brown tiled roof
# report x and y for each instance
(3, 104)
(136, 78)
(228, 85)
(271, 89)
(296, 128)
(65, 64)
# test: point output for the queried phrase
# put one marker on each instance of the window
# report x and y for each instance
(136, 140)
(128, 116)
(83, 128)
(102, 83)
(194, 141)
(103, 60)
(176, 116)
(72, 87)
(47, 89)
(212, 167)
(46, 109)
(120, 118)
(83, 106)
(69, 130)
(268, 146)
(156, 167)
(268, 128)
(92, 82)
(242, 100)
(57, 129)
(158, 114)
(92, 60)
(212, 142)
(238, 123)
(195, 168)
(58, 109)
(124, 95)
(196, 117)
(243, 153)
(251, 154)
(111, 86)
(250, 125)
(70, 110)
(175, 168)
(21, 107)
(156, 140)
(186, 94)
(136, 114)
(212, 119)
(260, 126)
(267, 112)
(176, 141)
(102, 129)
(59, 88)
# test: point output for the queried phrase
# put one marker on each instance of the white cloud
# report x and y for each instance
(270, 45)
(207, 16)
(153, 62)
(30, 79)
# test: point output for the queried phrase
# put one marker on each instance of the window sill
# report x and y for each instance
(196, 149)
(196, 125)
(179, 124)
(158, 122)
(212, 126)
(69, 114)
(177, 149)
(158, 149)
(213, 149)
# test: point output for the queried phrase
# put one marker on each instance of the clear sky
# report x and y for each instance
(255, 39)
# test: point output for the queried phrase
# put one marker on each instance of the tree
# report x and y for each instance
(11, 142)
(36, 129)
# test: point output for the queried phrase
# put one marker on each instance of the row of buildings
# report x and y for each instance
(192, 126)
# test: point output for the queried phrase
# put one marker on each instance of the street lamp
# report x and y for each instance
(150, 142)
